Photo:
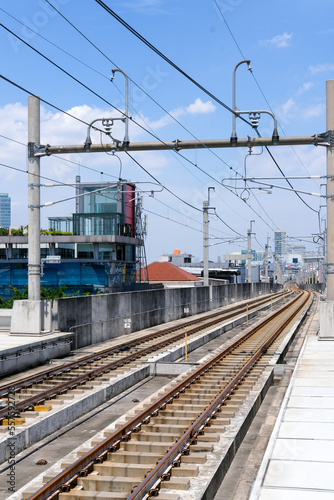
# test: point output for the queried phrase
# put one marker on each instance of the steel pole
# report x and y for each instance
(206, 242)
(266, 263)
(34, 252)
(249, 249)
(178, 145)
(330, 192)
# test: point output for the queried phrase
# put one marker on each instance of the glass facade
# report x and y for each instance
(5, 210)
(63, 224)
(98, 202)
(280, 241)
(92, 263)
(96, 224)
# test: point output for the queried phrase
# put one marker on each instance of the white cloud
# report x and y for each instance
(320, 68)
(279, 41)
(196, 108)
(313, 111)
(200, 107)
(305, 87)
(288, 108)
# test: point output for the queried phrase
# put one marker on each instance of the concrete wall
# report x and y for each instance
(96, 318)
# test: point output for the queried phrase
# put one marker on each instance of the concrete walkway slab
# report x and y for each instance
(299, 460)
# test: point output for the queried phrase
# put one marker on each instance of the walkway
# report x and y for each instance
(299, 460)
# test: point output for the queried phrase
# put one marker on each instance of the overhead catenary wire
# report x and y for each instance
(169, 61)
(167, 189)
(152, 47)
(99, 96)
(141, 89)
(86, 87)
(258, 85)
(82, 121)
(148, 95)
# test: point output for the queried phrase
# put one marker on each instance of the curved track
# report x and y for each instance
(157, 447)
(38, 390)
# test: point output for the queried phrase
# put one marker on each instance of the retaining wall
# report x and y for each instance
(96, 318)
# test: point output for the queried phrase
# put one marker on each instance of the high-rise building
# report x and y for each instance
(280, 241)
(95, 249)
(5, 210)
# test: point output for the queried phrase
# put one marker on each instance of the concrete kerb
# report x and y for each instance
(161, 364)
(211, 473)
(57, 418)
(51, 421)
(256, 488)
(15, 359)
(206, 484)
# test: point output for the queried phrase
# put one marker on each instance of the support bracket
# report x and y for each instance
(324, 139)
(35, 150)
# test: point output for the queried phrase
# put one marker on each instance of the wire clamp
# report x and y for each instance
(324, 139)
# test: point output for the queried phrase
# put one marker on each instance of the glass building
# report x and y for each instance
(280, 241)
(5, 210)
(96, 248)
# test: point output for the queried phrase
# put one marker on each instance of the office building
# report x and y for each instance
(5, 210)
(96, 249)
(280, 241)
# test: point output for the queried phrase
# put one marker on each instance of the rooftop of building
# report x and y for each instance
(166, 271)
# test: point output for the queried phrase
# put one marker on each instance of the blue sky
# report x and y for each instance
(288, 44)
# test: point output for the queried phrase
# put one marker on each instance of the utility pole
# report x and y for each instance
(265, 261)
(330, 192)
(206, 206)
(327, 308)
(33, 316)
(37, 150)
(249, 252)
(34, 226)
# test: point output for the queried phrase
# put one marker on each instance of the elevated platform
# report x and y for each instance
(18, 352)
(299, 460)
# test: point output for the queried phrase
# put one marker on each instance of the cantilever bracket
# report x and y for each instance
(177, 147)
(324, 139)
(35, 150)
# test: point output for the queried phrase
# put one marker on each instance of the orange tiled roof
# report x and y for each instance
(166, 271)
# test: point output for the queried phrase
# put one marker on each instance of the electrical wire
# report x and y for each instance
(156, 180)
(185, 158)
(45, 101)
(81, 83)
(257, 84)
(142, 90)
(187, 216)
(54, 45)
(165, 58)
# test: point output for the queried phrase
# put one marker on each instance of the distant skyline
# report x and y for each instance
(289, 71)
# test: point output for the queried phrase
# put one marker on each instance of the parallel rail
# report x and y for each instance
(193, 327)
(66, 479)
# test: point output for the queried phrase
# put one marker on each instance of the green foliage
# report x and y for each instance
(51, 293)
(3, 231)
(16, 232)
(51, 232)
(16, 295)
(46, 294)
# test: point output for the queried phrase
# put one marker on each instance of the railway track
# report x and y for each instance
(164, 446)
(40, 391)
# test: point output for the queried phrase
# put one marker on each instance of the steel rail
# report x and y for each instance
(151, 482)
(48, 374)
(76, 381)
(81, 467)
